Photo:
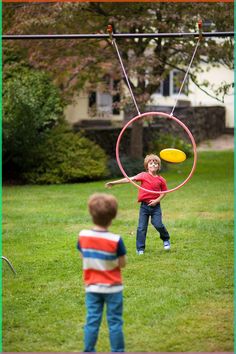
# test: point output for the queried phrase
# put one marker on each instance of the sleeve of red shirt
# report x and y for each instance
(163, 184)
(139, 177)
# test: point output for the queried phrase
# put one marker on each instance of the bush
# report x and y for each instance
(65, 157)
(31, 106)
(157, 143)
(131, 166)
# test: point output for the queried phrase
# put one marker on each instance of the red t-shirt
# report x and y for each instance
(155, 183)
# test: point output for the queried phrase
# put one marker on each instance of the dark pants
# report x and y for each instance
(156, 220)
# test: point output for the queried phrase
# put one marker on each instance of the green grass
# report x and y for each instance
(177, 301)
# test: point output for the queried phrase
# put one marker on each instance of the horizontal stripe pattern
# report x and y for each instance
(100, 288)
(99, 244)
(99, 264)
(100, 261)
(90, 253)
(110, 277)
(100, 234)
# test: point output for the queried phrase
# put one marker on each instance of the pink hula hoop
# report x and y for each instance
(165, 115)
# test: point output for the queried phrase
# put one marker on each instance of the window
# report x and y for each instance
(177, 78)
(105, 103)
(172, 83)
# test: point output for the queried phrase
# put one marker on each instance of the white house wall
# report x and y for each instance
(78, 109)
(197, 97)
(216, 77)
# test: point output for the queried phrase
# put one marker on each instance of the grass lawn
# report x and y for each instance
(177, 301)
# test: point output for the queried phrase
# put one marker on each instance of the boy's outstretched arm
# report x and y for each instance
(119, 181)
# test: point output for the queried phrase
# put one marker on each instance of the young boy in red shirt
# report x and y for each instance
(150, 202)
(103, 256)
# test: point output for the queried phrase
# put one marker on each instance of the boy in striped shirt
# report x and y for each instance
(103, 256)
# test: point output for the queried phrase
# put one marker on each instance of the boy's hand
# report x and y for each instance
(108, 184)
(122, 261)
(153, 202)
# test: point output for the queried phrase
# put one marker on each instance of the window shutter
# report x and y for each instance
(166, 86)
(116, 98)
(92, 99)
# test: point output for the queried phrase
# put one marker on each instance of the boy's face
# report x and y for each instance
(153, 166)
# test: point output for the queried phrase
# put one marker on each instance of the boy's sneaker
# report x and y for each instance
(140, 252)
(166, 245)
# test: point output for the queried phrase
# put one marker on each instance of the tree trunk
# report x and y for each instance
(136, 146)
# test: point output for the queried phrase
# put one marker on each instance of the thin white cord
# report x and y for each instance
(126, 77)
(185, 77)
(128, 83)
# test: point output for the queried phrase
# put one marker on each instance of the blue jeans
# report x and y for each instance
(156, 220)
(114, 305)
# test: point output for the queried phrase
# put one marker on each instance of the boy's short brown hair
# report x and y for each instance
(103, 208)
(149, 158)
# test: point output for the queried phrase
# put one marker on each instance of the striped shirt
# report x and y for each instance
(101, 250)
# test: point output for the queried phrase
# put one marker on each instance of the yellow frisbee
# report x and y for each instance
(172, 155)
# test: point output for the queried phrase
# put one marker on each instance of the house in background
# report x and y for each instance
(97, 105)
(103, 105)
